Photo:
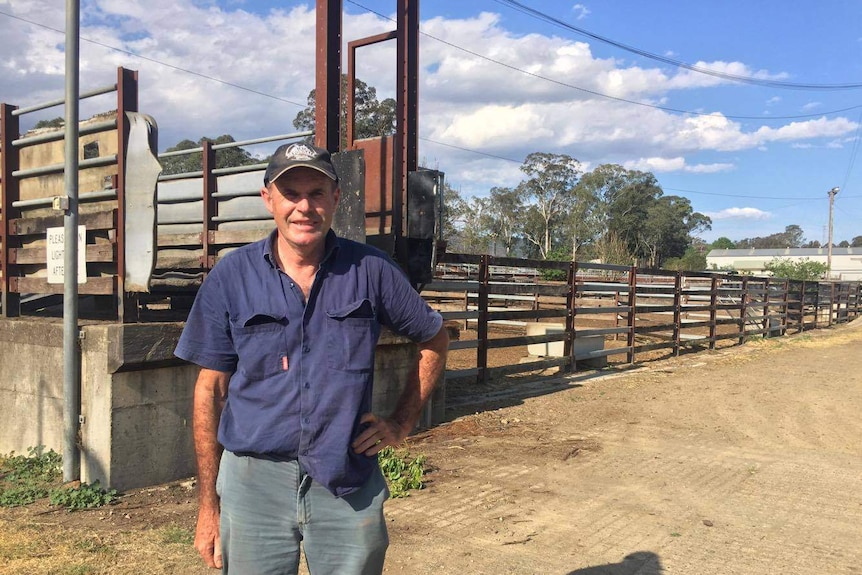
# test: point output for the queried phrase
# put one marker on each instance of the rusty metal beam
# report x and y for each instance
(327, 111)
(9, 162)
(127, 101)
(352, 46)
(210, 205)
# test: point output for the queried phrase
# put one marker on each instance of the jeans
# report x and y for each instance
(269, 507)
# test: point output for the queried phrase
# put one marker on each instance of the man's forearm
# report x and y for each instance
(417, 392)
(209, 397)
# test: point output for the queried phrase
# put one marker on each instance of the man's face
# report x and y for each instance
(302, 203)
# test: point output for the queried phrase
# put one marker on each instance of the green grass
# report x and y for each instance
(176, 535)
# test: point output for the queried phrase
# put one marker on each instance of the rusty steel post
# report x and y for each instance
(743, 310)
(482, 321)
(677, 312)
(765, 313)
(327, 108)
(817, 305)
(127, 101)
(210, 206)
(407, 104)
(631, 319)
(9, 162)
(713, 311)
(571, 311)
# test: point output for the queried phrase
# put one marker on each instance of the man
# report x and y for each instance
(284, 331)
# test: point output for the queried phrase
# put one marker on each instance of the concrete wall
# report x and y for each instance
(31, 385)
(136, 398)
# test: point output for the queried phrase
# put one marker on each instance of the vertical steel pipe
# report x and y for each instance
(71, 349)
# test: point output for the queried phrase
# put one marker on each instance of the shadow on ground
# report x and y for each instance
(637, 563)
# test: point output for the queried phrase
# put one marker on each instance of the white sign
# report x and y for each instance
(56, 253)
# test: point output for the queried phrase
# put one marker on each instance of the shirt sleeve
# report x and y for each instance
(206, 339)
(402, 309)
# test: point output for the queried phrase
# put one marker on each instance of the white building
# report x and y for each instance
(846, 262)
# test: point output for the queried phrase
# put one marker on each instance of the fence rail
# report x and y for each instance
(604, 311)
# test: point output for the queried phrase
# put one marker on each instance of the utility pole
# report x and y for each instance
(831, 193)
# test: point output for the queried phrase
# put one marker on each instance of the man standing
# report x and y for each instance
(284, 331)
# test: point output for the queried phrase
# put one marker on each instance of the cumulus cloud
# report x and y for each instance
(219, 67)
(739, 214)
(677, 164)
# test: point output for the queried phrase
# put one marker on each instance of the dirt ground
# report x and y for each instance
(746, 460)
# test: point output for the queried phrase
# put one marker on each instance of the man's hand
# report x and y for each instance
(380, 433)
(207, 538)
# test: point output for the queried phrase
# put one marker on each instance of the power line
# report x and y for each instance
(608, 96)
(853, 153)
(743, 195)
(154, 61)
(472, 151)
(523, 8)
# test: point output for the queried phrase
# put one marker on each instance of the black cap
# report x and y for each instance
(299, 155)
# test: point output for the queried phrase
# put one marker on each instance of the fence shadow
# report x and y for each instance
(637, 563)
(469, 398)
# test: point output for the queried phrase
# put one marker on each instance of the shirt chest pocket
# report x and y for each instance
(351, 337)
(259, 340)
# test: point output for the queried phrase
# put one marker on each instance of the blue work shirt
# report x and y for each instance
(301, 372)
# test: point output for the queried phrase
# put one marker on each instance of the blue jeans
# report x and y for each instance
(269, 507)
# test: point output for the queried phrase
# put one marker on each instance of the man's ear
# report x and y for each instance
(266, 195)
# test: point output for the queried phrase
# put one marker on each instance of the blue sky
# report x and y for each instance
(496, 81)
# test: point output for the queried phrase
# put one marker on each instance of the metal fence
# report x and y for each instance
(600, 311)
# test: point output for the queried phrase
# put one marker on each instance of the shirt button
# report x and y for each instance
(307, 385)
(306, 420)
(306, 349)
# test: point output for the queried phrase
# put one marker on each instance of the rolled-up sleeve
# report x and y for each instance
(206, 339)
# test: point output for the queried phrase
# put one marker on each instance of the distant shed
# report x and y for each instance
(846, 262)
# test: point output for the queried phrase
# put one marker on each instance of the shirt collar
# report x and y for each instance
(331, 247)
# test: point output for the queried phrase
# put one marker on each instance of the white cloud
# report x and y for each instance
(465, 100)
(773, 100)
(677, 164)
(739, 214)
(581, 11)
(811, 106)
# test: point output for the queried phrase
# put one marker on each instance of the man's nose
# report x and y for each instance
(303, 205)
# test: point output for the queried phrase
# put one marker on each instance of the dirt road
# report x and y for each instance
(744, 461)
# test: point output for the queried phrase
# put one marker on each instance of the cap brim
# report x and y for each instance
(326, 173)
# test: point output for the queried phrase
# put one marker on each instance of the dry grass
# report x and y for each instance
(50, 549)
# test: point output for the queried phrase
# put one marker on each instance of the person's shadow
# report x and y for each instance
(637, 563)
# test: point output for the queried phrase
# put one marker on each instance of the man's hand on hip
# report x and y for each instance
(381, 432)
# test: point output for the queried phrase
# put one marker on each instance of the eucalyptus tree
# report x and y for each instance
(549, 190)
(373, 118)
(503, 217)
(193, 161)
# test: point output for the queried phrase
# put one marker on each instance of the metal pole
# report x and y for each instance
(832, 193)
(71, 358)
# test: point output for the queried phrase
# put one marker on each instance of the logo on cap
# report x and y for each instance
(299, 153)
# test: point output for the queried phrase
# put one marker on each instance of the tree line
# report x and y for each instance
(559, 212)
(791, 237)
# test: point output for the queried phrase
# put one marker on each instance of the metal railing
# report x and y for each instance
(599, 311)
